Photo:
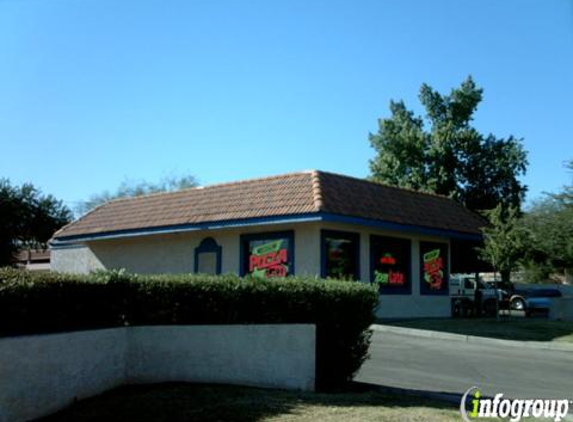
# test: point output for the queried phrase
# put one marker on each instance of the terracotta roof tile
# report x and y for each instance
(361, 198)
(290, 194)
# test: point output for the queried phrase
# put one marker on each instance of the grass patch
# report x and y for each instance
(525, 329)
(208, 403)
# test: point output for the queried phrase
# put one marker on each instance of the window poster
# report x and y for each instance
(390, 264)
(268, 257)
(433, 268)
(340, 255)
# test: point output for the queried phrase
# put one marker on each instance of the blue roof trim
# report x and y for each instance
(259, 221)
(345, 219)
(65, 245)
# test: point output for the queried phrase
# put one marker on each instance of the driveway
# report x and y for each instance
(449, 366)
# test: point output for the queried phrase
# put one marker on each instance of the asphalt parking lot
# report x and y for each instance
(448, 366)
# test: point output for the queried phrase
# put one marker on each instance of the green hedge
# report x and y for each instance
(51, 302)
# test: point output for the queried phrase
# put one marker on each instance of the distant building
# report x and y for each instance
(33, 259)
(307, 223)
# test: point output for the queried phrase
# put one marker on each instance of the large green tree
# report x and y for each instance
(549, 224)
(443, 153)
(130, 188)
(27, 218)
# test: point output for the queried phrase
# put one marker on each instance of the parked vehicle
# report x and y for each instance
(539, 301)
(517, 300)
(465, 288)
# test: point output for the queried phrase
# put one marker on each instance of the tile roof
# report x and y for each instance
(285, 195)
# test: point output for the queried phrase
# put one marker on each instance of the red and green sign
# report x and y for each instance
(393, 278)
(388, 259)
(391, 275)
(269, 259)
(390, 264)
(434, 268)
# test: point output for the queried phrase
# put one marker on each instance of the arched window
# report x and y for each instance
(208, 257)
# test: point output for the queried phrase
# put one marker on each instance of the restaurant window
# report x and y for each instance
(208, 257)
(267, 255)
(340, 255)
(390, 264)
(434, 268)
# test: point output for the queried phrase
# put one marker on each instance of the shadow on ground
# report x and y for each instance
(507, 328)
(201, 402)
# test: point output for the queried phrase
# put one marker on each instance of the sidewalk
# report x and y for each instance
(539, 345)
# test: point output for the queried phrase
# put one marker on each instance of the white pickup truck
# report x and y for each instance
(463, 289)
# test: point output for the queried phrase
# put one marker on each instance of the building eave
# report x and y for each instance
(67, 241)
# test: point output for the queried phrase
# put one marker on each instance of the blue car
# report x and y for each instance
(539, 301)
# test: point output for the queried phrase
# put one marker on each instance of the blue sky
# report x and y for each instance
(96, 91)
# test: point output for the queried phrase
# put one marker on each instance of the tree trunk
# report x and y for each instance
(505, 276)
(506, 280)
(568, 275)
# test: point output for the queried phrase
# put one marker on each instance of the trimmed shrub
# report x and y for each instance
(52, 302)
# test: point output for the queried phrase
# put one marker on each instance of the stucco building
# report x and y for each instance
(307, 223)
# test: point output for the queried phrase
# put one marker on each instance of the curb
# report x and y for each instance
(414, 332)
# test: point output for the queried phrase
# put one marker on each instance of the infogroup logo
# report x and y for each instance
(515, 409)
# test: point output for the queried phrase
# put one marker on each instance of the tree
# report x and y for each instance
(549, 224)
(504, 240)
(27, 218)
(443, 153)
(130, 188)
(565, 198)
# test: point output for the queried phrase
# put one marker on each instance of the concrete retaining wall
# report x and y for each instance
(41, 374)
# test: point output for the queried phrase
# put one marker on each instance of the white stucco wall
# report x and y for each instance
(78, 259)
(175, 253)
(41, 374)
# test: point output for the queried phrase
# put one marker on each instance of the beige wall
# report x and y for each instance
(175, 253)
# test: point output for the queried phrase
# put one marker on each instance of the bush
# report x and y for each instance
(52, 302)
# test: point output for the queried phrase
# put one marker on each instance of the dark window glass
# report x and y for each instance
(469, 284)
(390, 264)
(268, 255)
(433, 268)
(340, 255)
